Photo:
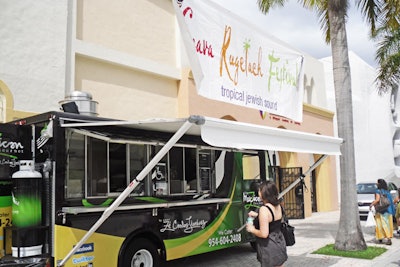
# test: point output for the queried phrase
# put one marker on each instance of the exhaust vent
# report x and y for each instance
(80, 103)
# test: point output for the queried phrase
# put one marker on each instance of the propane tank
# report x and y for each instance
(27, 211)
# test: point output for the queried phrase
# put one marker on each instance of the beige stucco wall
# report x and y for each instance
(119, 47)
(124, 93)
(142, 27)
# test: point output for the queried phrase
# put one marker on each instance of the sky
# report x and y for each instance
(300, 28)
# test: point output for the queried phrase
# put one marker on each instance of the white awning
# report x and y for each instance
(249, 136)
(232, 134)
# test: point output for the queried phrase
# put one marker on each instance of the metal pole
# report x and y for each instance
(181, 131)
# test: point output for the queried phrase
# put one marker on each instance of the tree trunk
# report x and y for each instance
(349, 236)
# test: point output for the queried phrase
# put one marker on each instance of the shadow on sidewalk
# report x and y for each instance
(316, 230)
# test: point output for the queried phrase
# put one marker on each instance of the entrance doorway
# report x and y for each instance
(293, 200)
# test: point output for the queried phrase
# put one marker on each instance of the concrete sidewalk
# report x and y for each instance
(319, 230)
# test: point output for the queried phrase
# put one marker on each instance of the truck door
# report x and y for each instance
(252, 173)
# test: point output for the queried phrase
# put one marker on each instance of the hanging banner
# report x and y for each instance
(235, 62)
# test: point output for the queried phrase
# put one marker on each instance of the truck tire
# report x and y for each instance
(141, 253)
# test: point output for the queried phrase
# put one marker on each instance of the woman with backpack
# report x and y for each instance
(383, 218)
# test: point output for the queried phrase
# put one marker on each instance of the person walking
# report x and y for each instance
(271, 246)
(384, 219)
(396, 203)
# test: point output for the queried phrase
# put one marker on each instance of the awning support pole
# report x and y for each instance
(301, 178)
(181, 131)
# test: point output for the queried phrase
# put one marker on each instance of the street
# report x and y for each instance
(242, 256)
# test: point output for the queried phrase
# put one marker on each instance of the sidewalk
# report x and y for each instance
(319, 230)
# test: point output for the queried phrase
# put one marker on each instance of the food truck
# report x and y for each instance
(82, 190)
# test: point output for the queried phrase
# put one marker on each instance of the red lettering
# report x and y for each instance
(204, 48)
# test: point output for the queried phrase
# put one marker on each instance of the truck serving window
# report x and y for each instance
(118, 167)
(99, 168)
(108, 171)
(176, 173)
(190, 170)
(96, 167)
(122, 162)
(75, 169)
(137, 161)
(159, 174)
(205, 169)
(185, 170)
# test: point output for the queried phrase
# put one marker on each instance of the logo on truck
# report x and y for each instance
(187, 225)
(10, 146)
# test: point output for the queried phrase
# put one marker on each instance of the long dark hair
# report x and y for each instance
(382, 184)
(269, 192)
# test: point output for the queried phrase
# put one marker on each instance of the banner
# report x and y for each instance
(235, 62)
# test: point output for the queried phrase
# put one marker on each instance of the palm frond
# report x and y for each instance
(266, 5)
(323, 18)
(388, 58)
(390, 14)
(369, 11)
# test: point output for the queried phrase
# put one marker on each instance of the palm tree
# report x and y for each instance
(349, 235)
(332, 15)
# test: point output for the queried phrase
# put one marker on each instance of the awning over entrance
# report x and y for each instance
(232, 134)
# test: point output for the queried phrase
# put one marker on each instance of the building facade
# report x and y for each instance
(375, 123)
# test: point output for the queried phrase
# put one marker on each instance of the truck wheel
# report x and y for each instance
(141, 253)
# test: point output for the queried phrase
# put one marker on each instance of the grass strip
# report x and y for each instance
(368, 254)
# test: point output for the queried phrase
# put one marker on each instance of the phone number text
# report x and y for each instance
(223, 240)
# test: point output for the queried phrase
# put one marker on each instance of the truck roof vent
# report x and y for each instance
(79, 102)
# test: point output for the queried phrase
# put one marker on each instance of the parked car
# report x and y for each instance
(365, 196)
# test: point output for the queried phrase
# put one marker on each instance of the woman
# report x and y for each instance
(271, 246)
(384, 220)
(396, 203)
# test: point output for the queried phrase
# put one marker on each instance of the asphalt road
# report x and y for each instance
(240, 256)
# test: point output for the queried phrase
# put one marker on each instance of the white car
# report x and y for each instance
(365, 196)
